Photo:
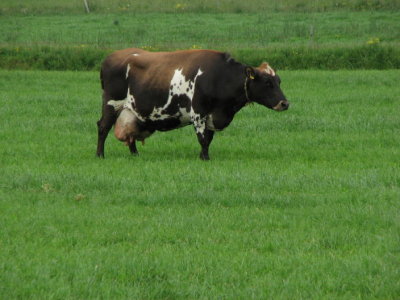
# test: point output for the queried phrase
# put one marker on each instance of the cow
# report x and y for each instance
(144, 92)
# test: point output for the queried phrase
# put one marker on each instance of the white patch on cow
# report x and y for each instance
(127, 103)
(179, 85)
(210, 123)
(184, 116)
(117, 104)
(127, 71)
(198, 122)
(130, 104)
(135, 54)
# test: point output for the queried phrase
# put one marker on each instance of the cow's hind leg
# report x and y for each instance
(132, 148)
(104, 126)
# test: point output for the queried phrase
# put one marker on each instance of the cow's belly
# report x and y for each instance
(166, 119)
(130, 127)
(165, 123)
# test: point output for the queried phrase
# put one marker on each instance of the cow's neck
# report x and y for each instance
(235, 85)
(243, 97)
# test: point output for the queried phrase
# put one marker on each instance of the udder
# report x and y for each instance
(126, 128)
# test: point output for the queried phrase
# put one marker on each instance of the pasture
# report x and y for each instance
(302, 204)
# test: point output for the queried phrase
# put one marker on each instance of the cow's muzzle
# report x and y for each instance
(282, 105)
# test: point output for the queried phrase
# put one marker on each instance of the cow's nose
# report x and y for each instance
(285, 105)
(282, 105)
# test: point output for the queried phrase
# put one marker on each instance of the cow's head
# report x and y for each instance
(263, 87)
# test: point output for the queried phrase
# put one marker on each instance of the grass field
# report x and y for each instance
(296, 205)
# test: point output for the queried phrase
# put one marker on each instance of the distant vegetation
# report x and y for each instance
(193, 6)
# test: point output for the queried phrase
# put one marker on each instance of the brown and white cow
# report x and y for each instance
(144, 92)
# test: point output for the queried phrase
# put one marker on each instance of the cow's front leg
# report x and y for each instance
(204, 136)
(205, 141)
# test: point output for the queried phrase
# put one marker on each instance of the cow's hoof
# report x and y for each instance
(204, 157)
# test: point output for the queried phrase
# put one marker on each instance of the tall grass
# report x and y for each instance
(294, 58)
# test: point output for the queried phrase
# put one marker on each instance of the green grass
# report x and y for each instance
(295, 205)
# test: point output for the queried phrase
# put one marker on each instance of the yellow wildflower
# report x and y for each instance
(373, 41)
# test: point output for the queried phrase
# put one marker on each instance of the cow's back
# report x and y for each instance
(153, 71)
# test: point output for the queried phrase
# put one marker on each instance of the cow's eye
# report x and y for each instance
(269, 83)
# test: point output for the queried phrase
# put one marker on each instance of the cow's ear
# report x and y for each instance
(265, 67)
(250, 73)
